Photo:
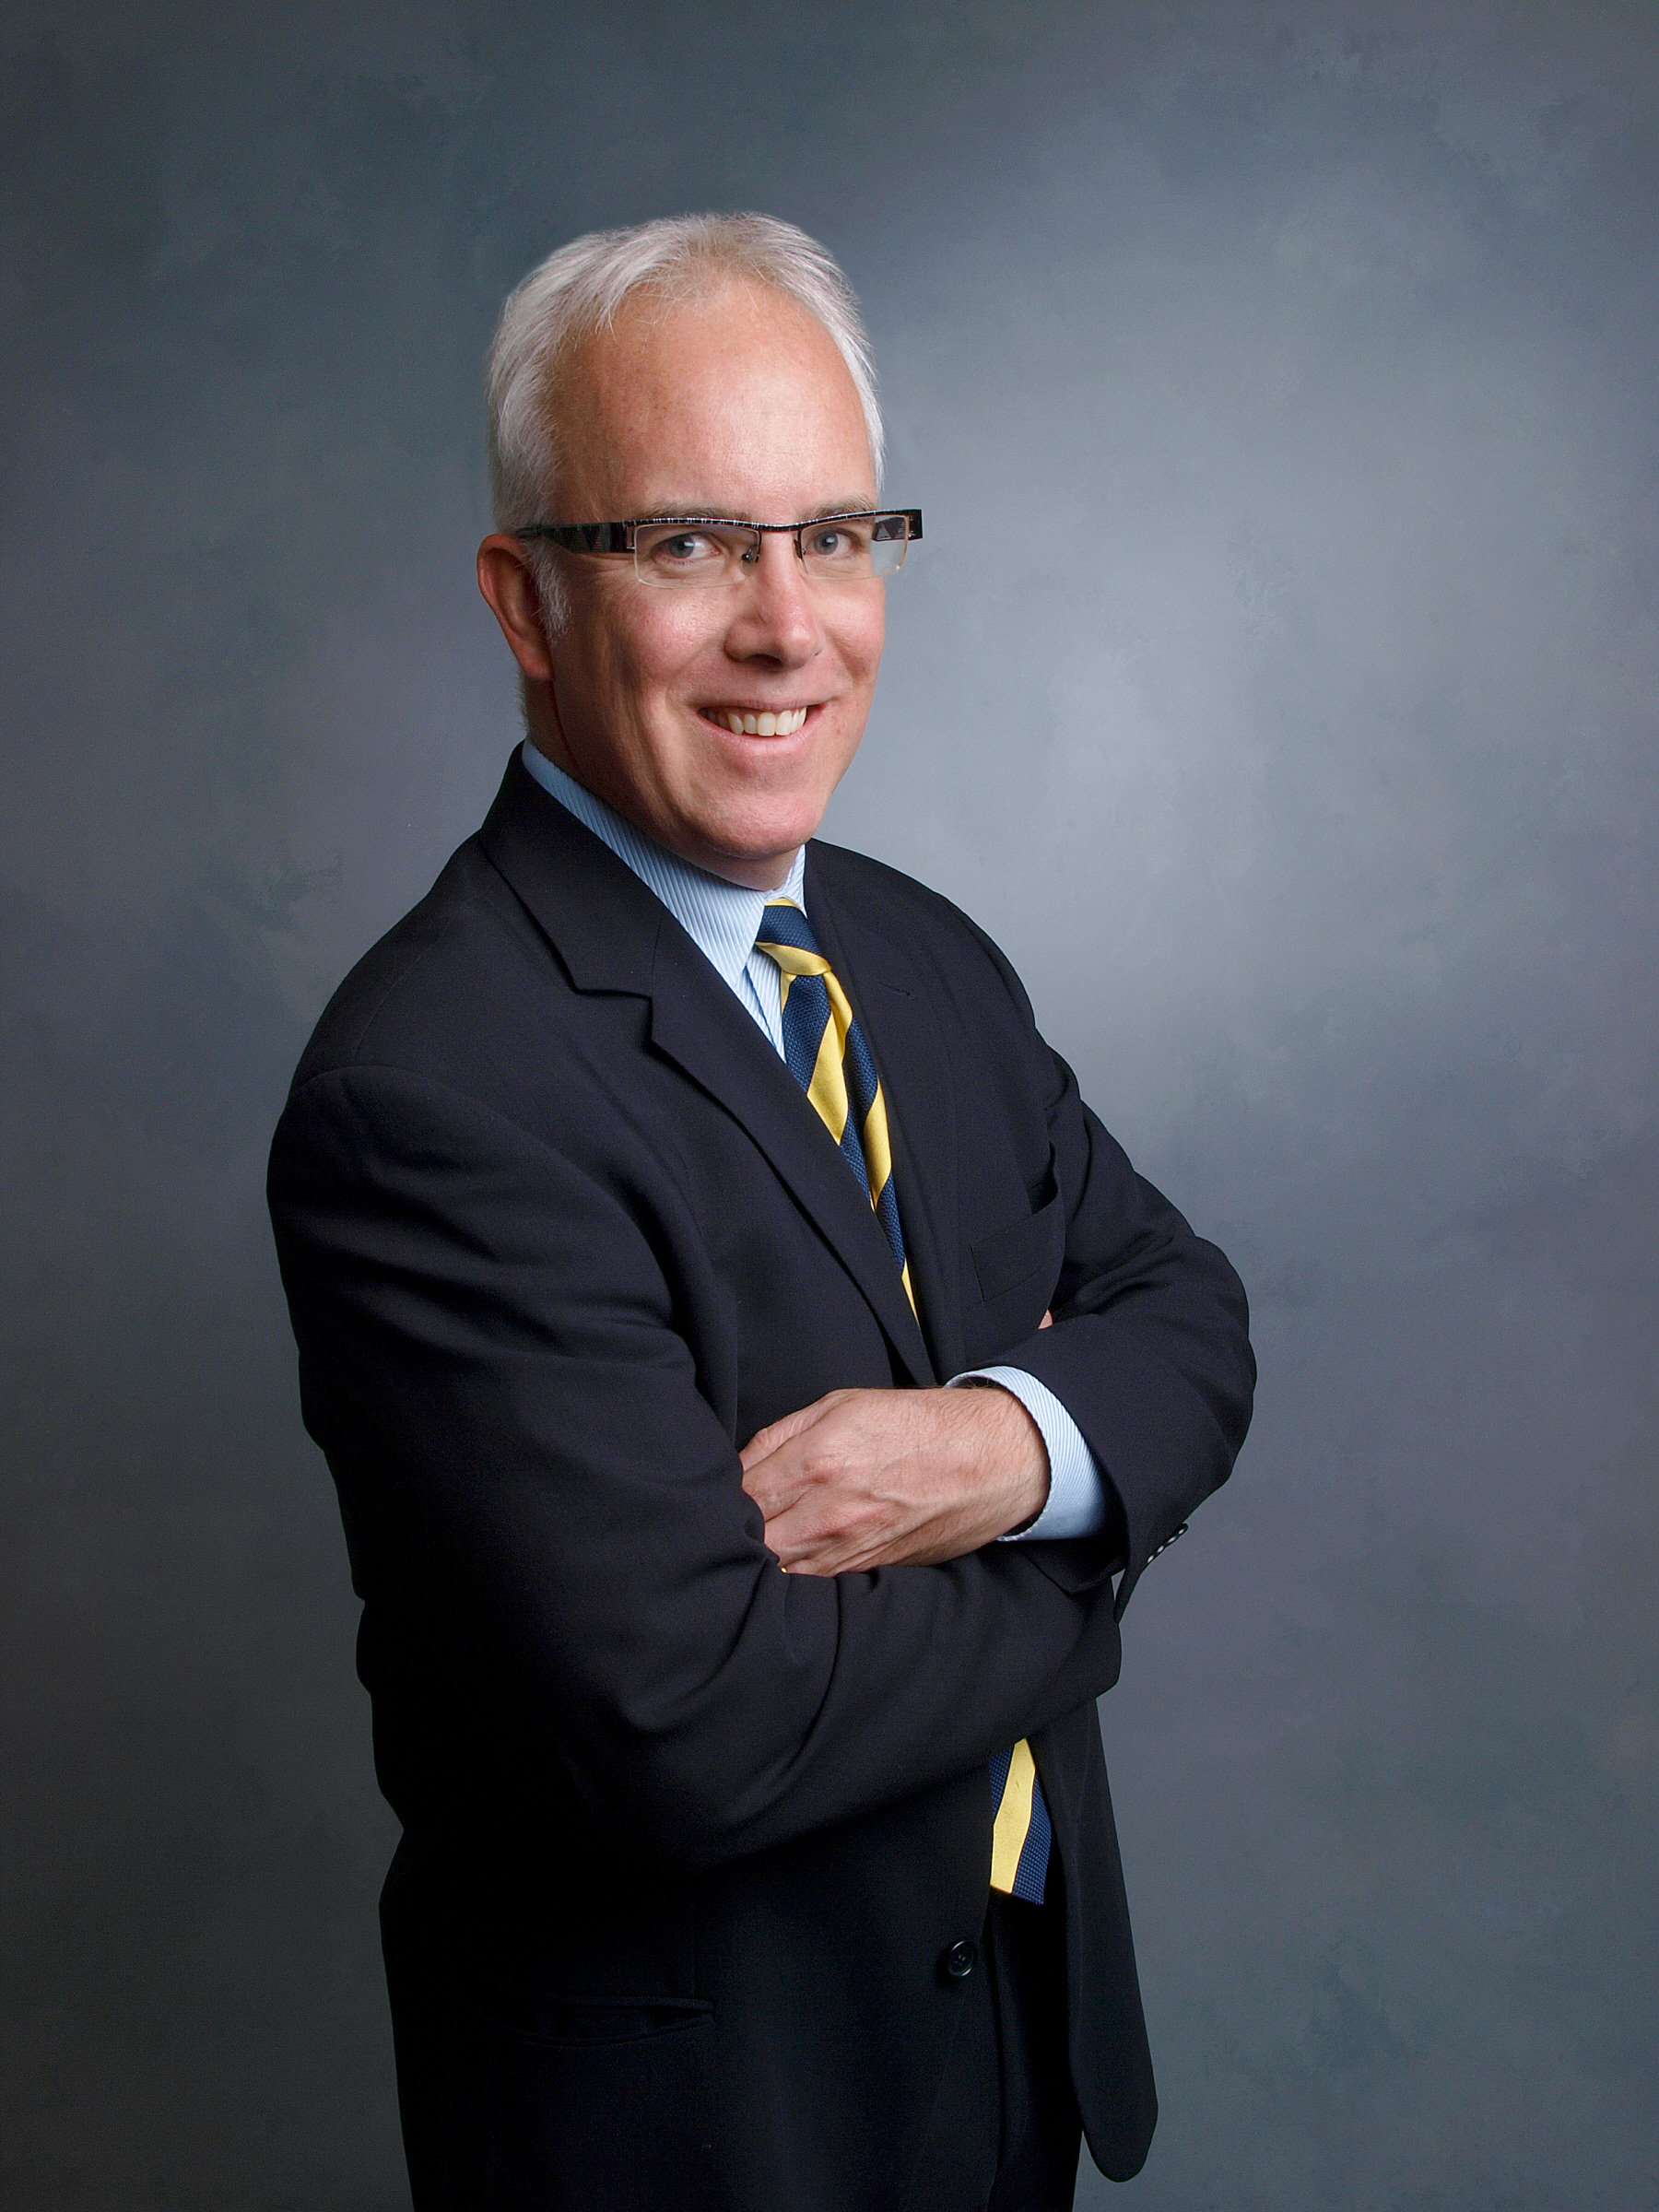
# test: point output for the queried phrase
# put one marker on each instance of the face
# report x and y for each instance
(736, 405)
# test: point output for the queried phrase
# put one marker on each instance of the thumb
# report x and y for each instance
(776, 1433)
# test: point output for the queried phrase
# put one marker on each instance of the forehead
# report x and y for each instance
(729, 404)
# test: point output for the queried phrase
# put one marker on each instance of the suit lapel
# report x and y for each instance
(700, 1025)
(612, 933)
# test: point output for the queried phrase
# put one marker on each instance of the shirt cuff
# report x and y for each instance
(1076, 1499)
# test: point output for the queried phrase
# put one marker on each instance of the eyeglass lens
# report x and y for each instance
(844, 549)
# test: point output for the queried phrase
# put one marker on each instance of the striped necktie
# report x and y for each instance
(829, 1058)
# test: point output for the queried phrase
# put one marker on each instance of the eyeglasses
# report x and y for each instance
(681, 549)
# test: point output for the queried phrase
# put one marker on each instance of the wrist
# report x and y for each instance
(1012, 1450)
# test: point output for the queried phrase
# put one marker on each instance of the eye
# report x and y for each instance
(687, 549)
(837, 544)
(682, 548)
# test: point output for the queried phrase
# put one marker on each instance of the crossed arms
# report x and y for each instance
(535, 1486)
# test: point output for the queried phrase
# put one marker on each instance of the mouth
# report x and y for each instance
(744, 722)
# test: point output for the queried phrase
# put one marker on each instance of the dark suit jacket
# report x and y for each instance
(686, 1839)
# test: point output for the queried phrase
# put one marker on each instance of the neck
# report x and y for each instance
(769, 874)
(766, 872)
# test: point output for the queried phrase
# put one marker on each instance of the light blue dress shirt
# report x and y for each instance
(723, 921)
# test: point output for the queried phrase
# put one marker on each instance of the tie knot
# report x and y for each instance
(785, 923)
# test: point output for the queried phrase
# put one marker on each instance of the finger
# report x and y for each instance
(767, 1441)
(1047, 1322)
(776, 1433)
(811, 1536)
(783, 1476)
(776, 1490)
(845, 1553)
(829, 1533)
(823, 1557)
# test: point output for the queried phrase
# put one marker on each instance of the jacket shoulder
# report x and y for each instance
(426, 968)
(884, 895)
(926, 922)
(858, 880)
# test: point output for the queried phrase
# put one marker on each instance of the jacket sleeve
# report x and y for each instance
(1149, 1351)
(528, 1471)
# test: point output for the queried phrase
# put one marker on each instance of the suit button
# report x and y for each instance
(959, 1960)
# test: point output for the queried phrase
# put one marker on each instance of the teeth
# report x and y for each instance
(762, 725)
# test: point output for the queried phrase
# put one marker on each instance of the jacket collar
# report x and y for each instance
(600, 918)
(612, 933)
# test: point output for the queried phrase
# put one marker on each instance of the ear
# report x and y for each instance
(507, 581)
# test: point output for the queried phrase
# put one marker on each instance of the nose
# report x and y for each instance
(775, 616)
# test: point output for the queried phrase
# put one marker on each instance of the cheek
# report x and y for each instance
(864, 637)
(656, 644)
(675, 637)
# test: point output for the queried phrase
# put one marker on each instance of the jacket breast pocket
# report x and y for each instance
(1024, 1256)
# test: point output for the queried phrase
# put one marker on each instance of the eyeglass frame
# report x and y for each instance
(619, 537)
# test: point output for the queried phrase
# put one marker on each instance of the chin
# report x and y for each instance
(749, 850)
(754, 833)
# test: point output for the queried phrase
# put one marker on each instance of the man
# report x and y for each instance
(640, 1199)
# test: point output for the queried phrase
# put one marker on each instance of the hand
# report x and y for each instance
(895, 1478)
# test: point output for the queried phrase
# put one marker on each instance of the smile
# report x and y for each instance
(760, 725)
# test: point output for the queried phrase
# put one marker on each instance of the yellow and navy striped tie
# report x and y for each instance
(829, 1058)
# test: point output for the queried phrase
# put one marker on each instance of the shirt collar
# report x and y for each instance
(722, 919)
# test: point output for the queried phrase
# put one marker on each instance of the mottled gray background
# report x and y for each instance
(1277, 681)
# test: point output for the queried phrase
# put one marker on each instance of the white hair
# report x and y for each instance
(579, 289)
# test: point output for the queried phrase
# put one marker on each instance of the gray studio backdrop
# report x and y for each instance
(1277, 681)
